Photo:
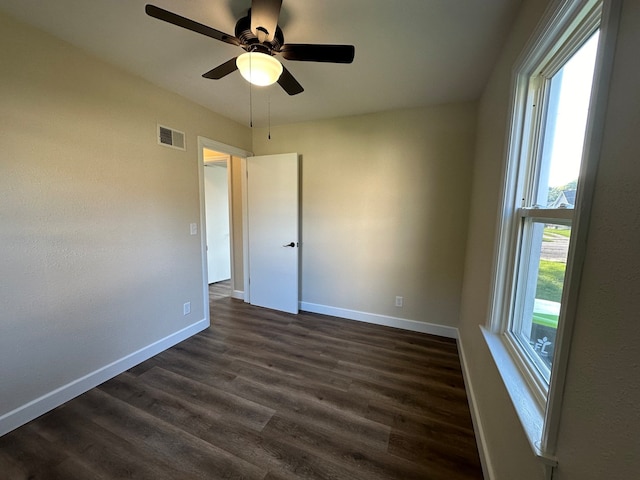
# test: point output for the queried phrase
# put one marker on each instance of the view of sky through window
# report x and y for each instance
(575, 92)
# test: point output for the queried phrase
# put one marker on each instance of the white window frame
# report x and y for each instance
(563, 29)
(525, 159)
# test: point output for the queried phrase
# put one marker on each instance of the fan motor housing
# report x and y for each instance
(251, 43)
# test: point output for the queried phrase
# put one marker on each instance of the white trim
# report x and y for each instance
(530, 412)
(547, 39)
(555, 215)
(245, 229)
(239, 294)
(203, 233)
(591, 156)
(57, 397)
(222, 147)
(488, 471)
(403, 323)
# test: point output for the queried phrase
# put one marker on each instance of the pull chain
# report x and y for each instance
(269, 113)
(250, 95)
(250, 105)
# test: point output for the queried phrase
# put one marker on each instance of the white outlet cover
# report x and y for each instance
(193, 228)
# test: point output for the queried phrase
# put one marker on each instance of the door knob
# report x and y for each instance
(289, 245)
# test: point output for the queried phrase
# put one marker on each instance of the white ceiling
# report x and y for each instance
(408, 52)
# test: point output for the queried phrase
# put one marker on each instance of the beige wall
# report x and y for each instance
(96, 259)
(384, 208)
(599, 428)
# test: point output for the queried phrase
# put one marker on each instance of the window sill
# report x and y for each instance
(529, 412)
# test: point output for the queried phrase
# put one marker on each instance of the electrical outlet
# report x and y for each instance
(399, 301)
(186, 308)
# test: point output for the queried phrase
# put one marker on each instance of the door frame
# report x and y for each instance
(230, 150)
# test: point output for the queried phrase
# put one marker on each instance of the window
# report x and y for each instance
(558, 99)
(553, 91)
(544, 209)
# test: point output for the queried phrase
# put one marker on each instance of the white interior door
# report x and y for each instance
(217, 215)
(272, 201)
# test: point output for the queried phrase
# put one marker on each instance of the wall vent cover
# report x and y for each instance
(170, 137)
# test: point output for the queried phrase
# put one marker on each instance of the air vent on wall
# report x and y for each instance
(171, 138)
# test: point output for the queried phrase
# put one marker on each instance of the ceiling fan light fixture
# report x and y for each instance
(259, 68)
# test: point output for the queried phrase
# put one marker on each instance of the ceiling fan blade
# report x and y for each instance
(318, 53)
(222, 70)
(288, 83)
(175, 19)
(264, 18)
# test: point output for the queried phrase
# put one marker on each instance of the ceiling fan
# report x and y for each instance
(259, 35)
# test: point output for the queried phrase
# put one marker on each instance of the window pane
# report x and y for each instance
(543, 278)
(568, 106)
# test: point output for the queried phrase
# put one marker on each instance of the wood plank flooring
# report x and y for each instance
(220, 290)
(264, 395)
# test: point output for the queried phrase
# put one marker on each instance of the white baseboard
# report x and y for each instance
(413, 325)
(239, 294)
(485, 460)
(57, 397)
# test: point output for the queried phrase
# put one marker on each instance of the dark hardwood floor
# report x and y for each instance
(220, 290)
(264, 395)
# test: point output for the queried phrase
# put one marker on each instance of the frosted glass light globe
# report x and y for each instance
(259, 68)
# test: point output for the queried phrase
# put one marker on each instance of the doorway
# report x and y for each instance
(227, 162)
(272, 202)
(218, 220)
